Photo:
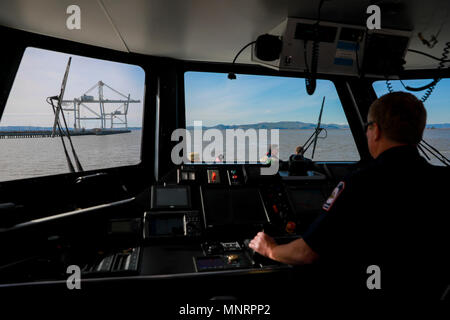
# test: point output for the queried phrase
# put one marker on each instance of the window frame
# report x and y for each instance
(348, 104)
(21, 40)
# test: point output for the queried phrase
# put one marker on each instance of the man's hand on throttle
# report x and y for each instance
(263, 244)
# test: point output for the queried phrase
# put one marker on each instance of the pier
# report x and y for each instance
(48, 133)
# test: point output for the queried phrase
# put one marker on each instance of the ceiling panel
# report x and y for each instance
(48, 17)
(214, 30)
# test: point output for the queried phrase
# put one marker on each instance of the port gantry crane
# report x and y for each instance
(117, 117)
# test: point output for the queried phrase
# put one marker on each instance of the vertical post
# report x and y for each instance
(100, 98)
(78, 111)
(126, 111)
(74, 114)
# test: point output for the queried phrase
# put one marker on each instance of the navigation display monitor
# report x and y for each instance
(170, 197)
(306, 200)
(233, 206)
(165, 226)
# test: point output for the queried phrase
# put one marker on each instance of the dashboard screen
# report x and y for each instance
(224, 206)
(170, 197)
(165, 226)
(306, 200)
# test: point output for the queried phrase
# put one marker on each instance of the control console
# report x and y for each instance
(222, 256)
(123, 262)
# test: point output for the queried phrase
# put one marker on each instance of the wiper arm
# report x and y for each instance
(316, 133)
(318, 127)
(423, 152)
(69, 162)
(67, 133)
(433, 151)
(57, 110)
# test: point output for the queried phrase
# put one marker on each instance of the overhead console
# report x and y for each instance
(333, 48)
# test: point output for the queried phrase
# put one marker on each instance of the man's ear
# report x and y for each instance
(376, 132)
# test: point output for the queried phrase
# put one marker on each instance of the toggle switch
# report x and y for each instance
(213, 176)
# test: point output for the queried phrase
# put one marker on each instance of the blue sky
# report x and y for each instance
(210, 97)
(214, 99)
(437, 105)
(40, 75)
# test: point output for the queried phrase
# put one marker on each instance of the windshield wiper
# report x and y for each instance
(313, 138)
(423, 145)
(57, 124)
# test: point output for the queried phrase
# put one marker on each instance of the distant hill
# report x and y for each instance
(438, 126)
(23, 128)
(31, 128)
(292, 125)
(298, 125)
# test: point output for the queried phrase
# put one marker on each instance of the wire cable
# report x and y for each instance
(430, 86)
(237, 55)
(310, 79)
(430, 90)
(232, 75)
(389, 86)
(427, 55)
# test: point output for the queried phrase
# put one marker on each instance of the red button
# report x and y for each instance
(290, 227)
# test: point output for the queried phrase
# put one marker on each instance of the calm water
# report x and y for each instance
(24, 158)
(339, 145)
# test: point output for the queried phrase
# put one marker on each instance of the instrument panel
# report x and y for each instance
(219, 209)
(196, 219)
(229, 200)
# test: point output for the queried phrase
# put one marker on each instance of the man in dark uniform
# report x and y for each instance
(384, 229)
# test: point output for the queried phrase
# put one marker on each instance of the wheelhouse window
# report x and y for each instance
(270, 102)
(102, 106)
(437, 130)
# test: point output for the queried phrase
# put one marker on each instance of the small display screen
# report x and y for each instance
(242, 206)
(306, 200)
(210, 263)
(165, 226)
(171, 197)
(121, 227)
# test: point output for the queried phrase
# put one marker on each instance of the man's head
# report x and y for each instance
(395, 119)
(299, 150)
